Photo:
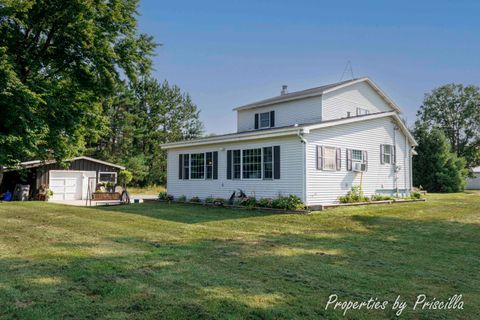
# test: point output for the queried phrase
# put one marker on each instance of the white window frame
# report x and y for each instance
(204, 166)
(260, 120)
(106, 172)
(390, 154)
(262, 177)
(261, 164)
(361, 152)
(334, 159)
(233, 164)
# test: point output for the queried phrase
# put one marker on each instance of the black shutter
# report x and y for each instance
(256, 120)
(338, 155)
(186, 175)
(394, 158)
(276, 162)
(382, 148)
(229, 164)
(349, 159)
(365, 159)
(272, 118)
(319, 158)
(215, 165)
(180, 166)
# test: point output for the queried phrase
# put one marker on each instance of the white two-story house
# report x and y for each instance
(315, 144)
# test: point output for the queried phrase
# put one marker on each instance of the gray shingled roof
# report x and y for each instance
(296, 94)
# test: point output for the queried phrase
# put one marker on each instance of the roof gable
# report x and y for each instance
(318, 91)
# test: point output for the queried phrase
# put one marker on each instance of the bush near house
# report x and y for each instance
(354, 195)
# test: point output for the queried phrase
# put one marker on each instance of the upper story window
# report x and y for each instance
(265, 120)
(362, 111)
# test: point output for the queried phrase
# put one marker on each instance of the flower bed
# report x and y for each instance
(282, 204)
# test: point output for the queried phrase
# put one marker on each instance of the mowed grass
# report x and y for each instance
(149, 190)
(162, 261)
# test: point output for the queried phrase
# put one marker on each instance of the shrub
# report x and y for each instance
(195, 200)
(354, 195)
(182, 198)
(218, 202)
(124, 177)
(380, 197)
(248, 202)
(265, 203)
(416, 195)
(290, 202)
(209, 200)
(165, 197)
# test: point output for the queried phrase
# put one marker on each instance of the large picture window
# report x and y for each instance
(197, 166)
(252, 164)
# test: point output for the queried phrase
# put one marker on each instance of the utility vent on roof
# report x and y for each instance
(284, 90)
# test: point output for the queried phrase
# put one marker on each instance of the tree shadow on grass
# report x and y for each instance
(186, 213)
(280, 276)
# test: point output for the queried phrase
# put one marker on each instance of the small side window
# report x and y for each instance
(108, 177)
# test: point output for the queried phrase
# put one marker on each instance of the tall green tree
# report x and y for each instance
(455, 110)
(436, 168)
(142, 117)
(59, 61)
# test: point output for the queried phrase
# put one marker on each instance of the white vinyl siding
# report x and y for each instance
(291, 169)
(325, 186)
(354, 99)
(306, 110)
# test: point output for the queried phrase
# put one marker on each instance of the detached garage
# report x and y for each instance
(474, 183)
(68, 182)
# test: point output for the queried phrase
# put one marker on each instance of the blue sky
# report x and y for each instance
(229, 53)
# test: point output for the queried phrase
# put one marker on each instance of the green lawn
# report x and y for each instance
(179, 261)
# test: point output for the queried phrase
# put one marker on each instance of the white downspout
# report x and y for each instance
(304, 170)
(412, 149)
(405, 166)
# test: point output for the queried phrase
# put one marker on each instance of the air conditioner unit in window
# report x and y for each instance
(359, 167)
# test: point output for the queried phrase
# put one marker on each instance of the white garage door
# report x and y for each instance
(69, 185)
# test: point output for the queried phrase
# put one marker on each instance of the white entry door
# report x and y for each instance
(69, 185)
